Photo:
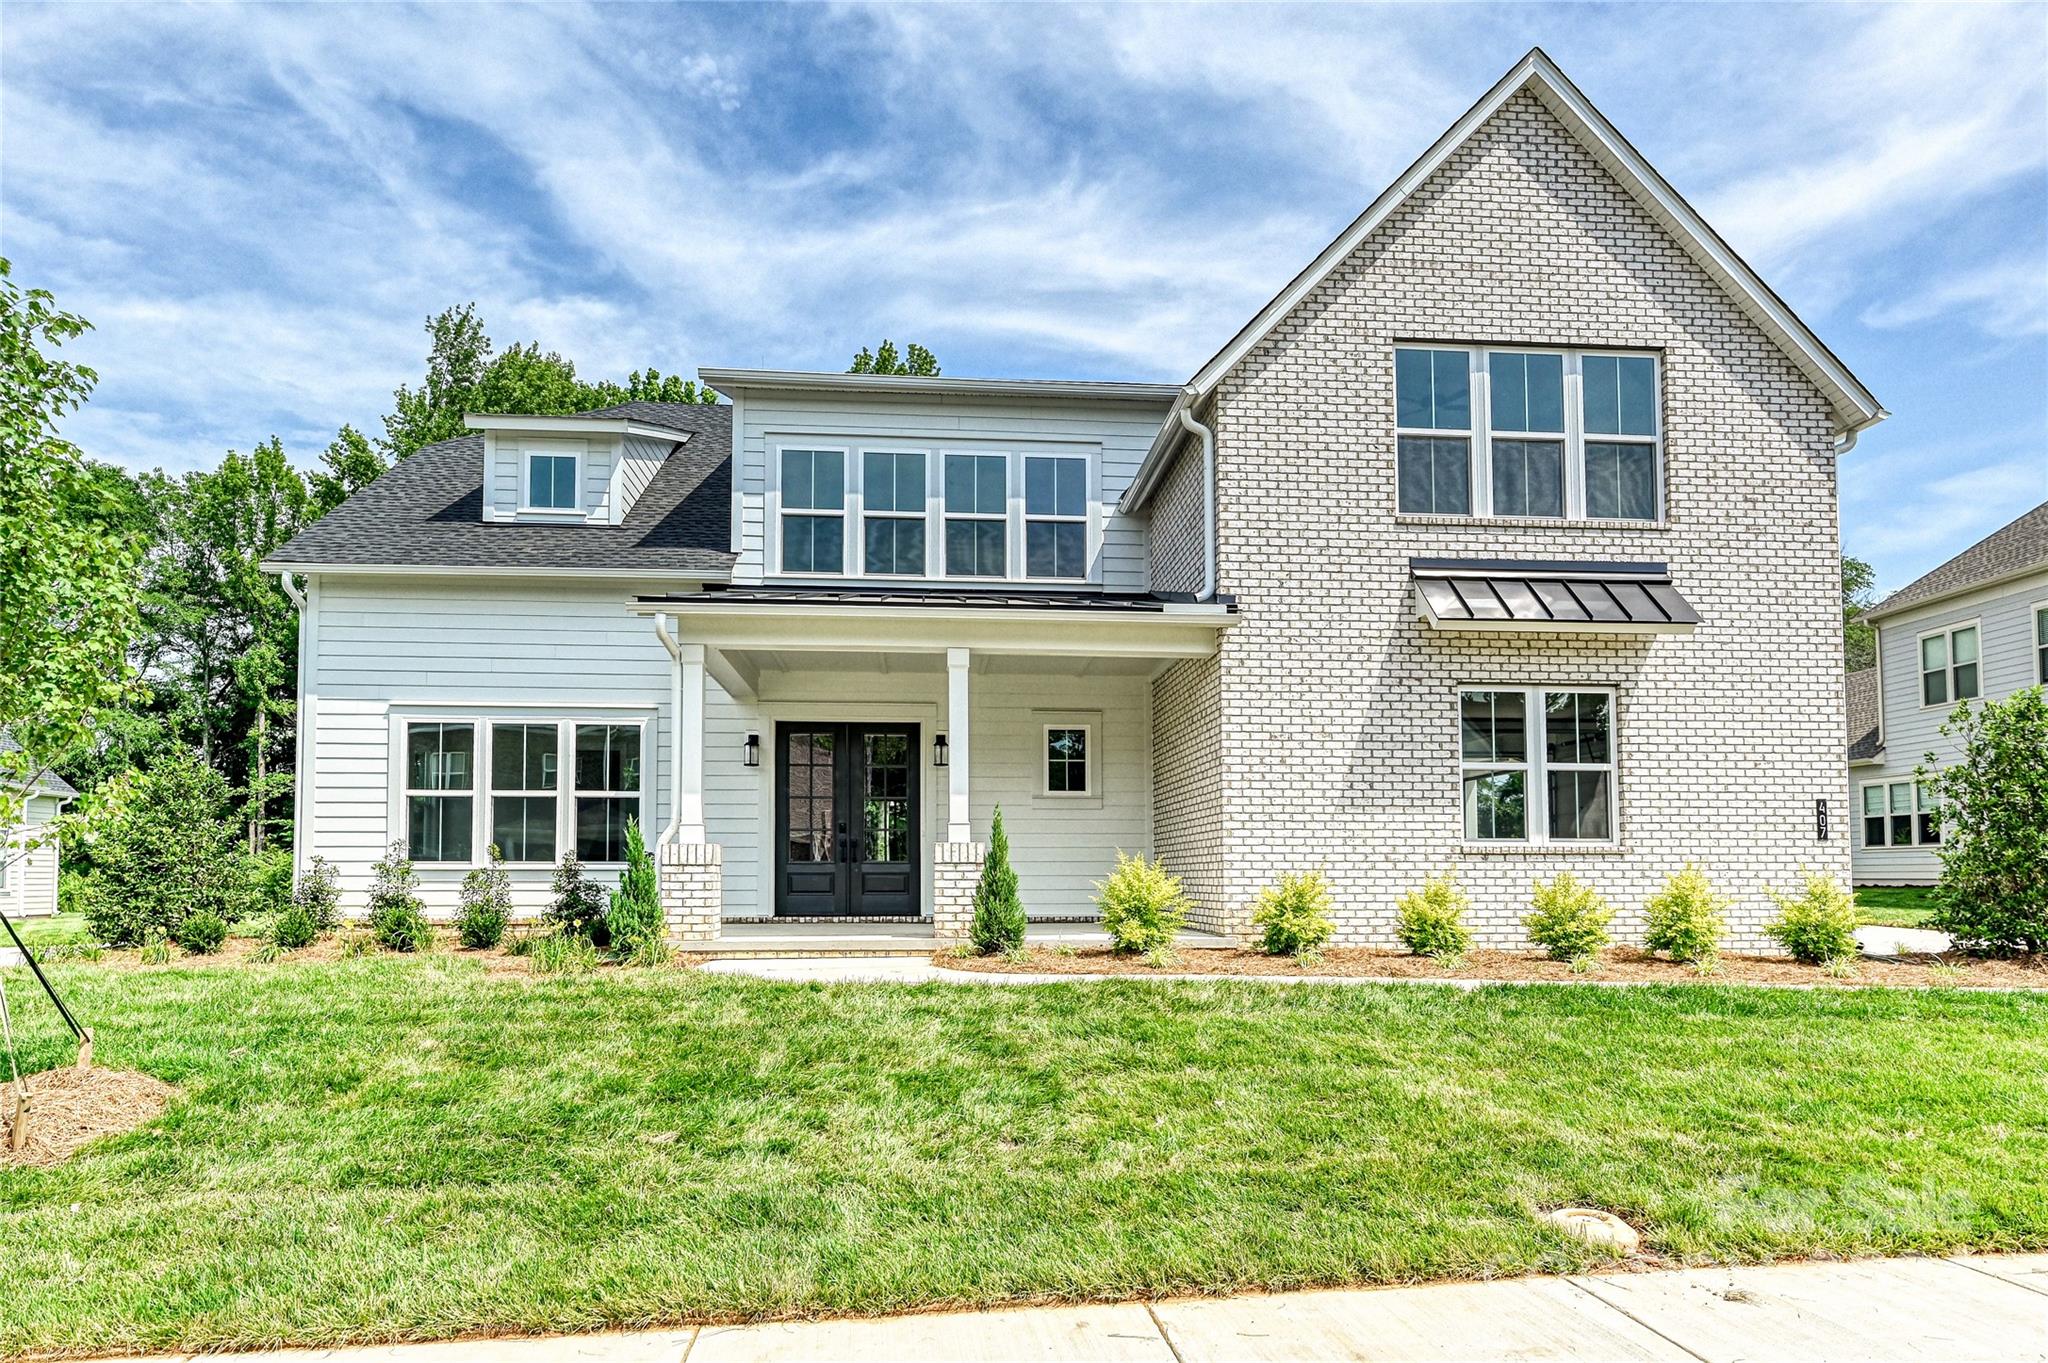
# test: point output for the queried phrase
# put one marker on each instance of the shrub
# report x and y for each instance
(560, 953)
(269, 878)
(1142, 906)
(486, 904)
(318, 893)
(167, 851)
(998, 912)
(578, 907)
(1431, 920)
(1993, 893)
(397, 918)
(1816, 925)
(202, 933)
(1569, 920)
(1685, 919)
(293, 928)
(1295, 914)
(634, 921)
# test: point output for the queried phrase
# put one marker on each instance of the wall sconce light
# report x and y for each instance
(939, 751)
(751, 753)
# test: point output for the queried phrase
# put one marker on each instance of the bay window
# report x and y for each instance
(1527, 433)
(1537, 765)
(813, 511)
(1948, 665)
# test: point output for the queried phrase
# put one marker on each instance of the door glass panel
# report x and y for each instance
(811, 800)
(885, 796)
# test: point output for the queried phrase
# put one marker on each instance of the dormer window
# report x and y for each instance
(551, 477)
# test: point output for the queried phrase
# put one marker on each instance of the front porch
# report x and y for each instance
(914, 937)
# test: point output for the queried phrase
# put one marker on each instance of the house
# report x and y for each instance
(1503, 539)
(1976, 628)
(28, 878)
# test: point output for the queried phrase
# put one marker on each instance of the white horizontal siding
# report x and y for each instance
(504, 452)
(31, 888)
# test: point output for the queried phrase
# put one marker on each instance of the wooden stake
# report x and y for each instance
(85, 1050)
(19, 1136)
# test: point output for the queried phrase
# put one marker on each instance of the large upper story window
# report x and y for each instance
(1949, 665)
(1558, 788)
(1055, 516)
(2041, 644)
(1528, 434)
(813, 511)
(977, 515)
(893, 513)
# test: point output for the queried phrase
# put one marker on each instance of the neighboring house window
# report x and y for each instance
(607, 788)
(1066, 760)
(1901, 814)
(2041, 644)
(1055, 516)
(813, 511)
(1535, 434)
(551, 481)
(893, 513)
(525, 781)
(440, 760)
(977, 515)
(1948, 665)
(1559, 789)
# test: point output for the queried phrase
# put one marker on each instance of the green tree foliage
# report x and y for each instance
(1859, 593)
(1994, 847)
(998, 923)
(69, 586)
(635, 919)
(884, 360)
(166, 852)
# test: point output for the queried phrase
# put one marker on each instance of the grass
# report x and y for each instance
(1894, 906)
(60, 928)
(386, 1149)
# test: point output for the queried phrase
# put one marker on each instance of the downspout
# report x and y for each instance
(302, 774)
(1208, 434)
(1846, 441)
(675, 730)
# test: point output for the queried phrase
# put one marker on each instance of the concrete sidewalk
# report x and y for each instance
(1974, 1308)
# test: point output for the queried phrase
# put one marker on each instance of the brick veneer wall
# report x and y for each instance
(1176, 531)
(1190, 816)
(956, 871)
(692, 883)
(1336, 708)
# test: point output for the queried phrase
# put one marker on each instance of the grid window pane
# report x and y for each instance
(438, 827)
(976, 548)
(1433, 390)
(812, 796)
(1579, 806)
(1576, 727)
(894, 545)
(1621, 394)
(1494, 726)
(1528, 392)
(523, 756)
(440, 756)
(1528, 478)
(1496, 806)
(1066, 761)
(1055, 549)
(608, 757)
(1435, 475)
(1055, 487)
(601, 827)
(1963, 647)
(813, 480)
(523, 827)
(1621, 481)
(893, 482)
(813, 544)
(976, 484)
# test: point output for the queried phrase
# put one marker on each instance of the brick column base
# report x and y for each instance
(956, 868)
(692, 892)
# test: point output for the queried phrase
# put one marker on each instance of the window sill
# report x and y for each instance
(1530, 522)
(552, 513)
(1543, 849)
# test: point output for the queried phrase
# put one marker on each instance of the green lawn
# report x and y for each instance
(61, 927)
(387, 1148)
(1894, 906)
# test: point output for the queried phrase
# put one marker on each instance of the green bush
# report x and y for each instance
(1685, 919)
(1993, 893)
(1142, 906)
(486, 904)
(293, 928)
(1818, 924)
(635, 922)
(1431, 921)
(318, 893)
(559, 952)
(269, 877)
(167, 851)
(1568, 919)
(1294, 916)
(578, 907)
(998, 924)
(397, 918)
(202, 933)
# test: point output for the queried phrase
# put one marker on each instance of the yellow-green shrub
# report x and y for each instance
(1431, 919)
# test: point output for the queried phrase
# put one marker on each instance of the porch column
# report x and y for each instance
(959, 818)
(686, 761)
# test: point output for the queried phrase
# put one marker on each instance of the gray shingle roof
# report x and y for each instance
(427, 511)
(50, 783)
(2021, 545)
(1863, 741)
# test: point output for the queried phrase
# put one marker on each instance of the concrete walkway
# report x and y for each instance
(1969, 1309)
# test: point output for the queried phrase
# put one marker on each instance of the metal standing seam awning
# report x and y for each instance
(1550, 596)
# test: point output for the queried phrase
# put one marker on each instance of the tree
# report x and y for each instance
(69, 589)
(1859, 636)
(1994, 806)
(349, 465)
(884, 360)
(166, 853)
(998, 914)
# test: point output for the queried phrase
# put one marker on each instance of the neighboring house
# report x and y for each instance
(1503, 540)
(28, 880)
(1976, 628)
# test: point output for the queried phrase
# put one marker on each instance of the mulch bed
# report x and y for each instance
(1616, 964)
(68, 1107)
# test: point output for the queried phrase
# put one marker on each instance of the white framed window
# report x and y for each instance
(1069, 750)
(1900, 814)
(2041, 642)
(525, 790)
(1537, 765)
(551, 475)
(813, 491)
(607, 789)
(893, 512)
(440, 779)
(977, 511)
(1055, 516)
(1528, 433)
(1950, 668)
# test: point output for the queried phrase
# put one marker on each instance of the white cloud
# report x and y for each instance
(2006, 298)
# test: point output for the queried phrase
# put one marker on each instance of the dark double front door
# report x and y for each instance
(846, 820)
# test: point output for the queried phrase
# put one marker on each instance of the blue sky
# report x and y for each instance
(258, 207)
